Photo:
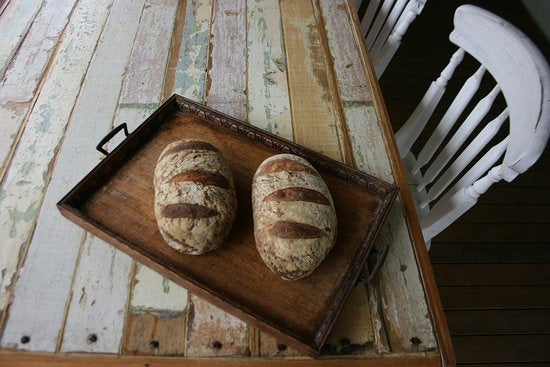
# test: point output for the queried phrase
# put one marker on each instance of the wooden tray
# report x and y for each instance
(115, 202)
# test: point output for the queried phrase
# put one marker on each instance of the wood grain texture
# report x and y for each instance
(140, 93)
(44, 359)
(213, 332)
(153, 333)
(353, 332)
(226, 92)
(14, 23)
(98, 299)
(268, 101)
(315, 121)
(226, 84)
(417, 246)
(48, 269)
(405, 313)
(23, 186)
(21, 80)
(190, 69)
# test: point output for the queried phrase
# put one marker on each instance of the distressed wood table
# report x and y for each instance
(73, 69)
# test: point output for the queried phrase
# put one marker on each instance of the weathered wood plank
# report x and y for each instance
(23, 186)
(315, 121)
(360, 119)
(213, 332)
(190, 72)
(353, 331)
(142, 82)
(155, 334)
(226, 92)
(14, 23)
(406, 314)
(47, 272)
(268, 102)
(98, 302)
(226, 83)
(18, 87)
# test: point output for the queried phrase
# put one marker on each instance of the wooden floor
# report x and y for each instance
(493, 265)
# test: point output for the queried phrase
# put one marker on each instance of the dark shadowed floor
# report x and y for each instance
(493, 265)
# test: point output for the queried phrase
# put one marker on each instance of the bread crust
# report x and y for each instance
(295, 223)
(195, 199)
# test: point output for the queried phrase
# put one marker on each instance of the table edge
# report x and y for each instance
(39, 359)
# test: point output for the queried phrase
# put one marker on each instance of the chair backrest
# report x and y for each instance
(383, 25)
(522, 76)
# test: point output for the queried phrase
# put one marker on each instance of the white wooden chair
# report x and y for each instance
(383, 25)
(522, 75)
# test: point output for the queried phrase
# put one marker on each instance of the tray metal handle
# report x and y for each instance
(382, 254)
(109, 136)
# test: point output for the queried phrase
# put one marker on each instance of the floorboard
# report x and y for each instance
(493, 265)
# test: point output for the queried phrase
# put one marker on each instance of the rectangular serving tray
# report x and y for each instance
(115, 202)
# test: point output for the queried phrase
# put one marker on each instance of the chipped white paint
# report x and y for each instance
(227, 74)
(227, 93)
(14, 23)
(21, 79)
(23, 186)
(142, 82)
(98, 302)
(405, 312)
(153, 292)
(268, 103)
(44, 283)
(191, 66)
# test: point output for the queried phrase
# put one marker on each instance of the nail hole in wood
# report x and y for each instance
(216, 345)
(415, 341)
(281, 347)
(92, 338)
(154, 344)
(25, 339)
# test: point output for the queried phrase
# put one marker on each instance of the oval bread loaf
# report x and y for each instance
(195, 200)
(294, 216)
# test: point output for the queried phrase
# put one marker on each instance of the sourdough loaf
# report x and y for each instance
(294, 216)
(195, 200)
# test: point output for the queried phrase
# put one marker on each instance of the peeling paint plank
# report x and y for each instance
(14, 23)
(268, 102)
(143, 83)
(99, 296)
(21, 79)
(353, 333)
(213, 332)
(226, 84)
(152, 296)
(42, 291)
(140, 94)
(268, 107)
(150, 334)
(271, 347)
(315, 123)
(24, 183)
(404, 306)
(226, 91)
(154, 293)
(190, 72)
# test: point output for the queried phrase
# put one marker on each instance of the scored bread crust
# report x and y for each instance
(195, 199)
(295, 223)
